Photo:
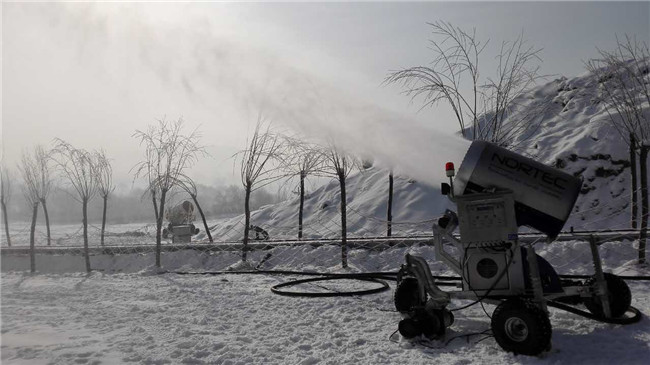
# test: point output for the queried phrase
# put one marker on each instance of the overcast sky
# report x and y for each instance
(92, 74)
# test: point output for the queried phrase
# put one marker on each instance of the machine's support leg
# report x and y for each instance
(442, 255)
(535, 280)
(419, 268)
(601, 289)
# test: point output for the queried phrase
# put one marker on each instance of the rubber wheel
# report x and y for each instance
(619, 296)
(521, 327)
(433, 327)
(407, 295)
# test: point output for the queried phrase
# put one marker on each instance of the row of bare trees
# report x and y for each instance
(86, 173)
(268, 157)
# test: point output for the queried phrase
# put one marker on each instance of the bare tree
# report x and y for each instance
(189, 187)
(105, 184)
(152, 188)
(389, 213)
(624, 83)
(303, 159)
(79, 168)
(339, 164)
(43, 159)
(259, 163)
(481, 112)
(168, 153)
(29, 170)
(5, 197)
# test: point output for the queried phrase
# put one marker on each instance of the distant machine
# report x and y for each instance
(497, 191)
(180, 226)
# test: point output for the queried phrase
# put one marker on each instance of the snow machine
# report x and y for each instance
(497, 191)
(180, 225)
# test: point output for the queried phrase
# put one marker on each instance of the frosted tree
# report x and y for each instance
(105, 185)
(389, 210)
(43, 160)
(480, 105)
(259, 168)
(624, 85)
(32, 190)
(188, 185)
(339, 164)
(168, 153)
(152, 189)
(5, 197)
(79, 168)
(302, 159)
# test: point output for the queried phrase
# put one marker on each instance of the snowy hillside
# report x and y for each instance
(576, 135)
(414, 205)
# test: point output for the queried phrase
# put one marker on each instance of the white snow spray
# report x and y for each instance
(237, 79)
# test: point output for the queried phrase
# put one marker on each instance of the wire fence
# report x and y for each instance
(132, 248)
(368, 247)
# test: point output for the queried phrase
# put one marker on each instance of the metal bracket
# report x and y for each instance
(419, 268)
(601, 284)
(535, 279)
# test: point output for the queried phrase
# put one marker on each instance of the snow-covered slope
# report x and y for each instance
(575, 135)
(415, 204)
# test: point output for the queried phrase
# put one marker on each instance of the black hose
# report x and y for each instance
(632, 278)
(379, 277)
(621, 320)
(276, 288)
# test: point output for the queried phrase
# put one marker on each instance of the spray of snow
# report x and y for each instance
(211, 62)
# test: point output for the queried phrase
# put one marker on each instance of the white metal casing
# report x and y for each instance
(491, 258)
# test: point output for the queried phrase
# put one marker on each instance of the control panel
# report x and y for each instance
(486, 219)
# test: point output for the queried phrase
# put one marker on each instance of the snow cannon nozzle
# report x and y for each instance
(449, 169)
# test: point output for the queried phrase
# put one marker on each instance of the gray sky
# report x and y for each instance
(92, 74)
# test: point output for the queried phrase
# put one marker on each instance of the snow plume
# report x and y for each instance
(208, 60)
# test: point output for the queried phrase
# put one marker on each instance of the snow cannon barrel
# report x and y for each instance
(182, 213)
(544, 196)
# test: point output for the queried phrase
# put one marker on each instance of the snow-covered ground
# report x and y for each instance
(143, 317)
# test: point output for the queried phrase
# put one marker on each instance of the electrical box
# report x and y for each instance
(486, 218)
(491, 259)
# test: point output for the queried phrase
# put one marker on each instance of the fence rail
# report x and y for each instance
(375, 243)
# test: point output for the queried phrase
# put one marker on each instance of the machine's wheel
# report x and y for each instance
(407, 295)
(619, 296)
(521, 327)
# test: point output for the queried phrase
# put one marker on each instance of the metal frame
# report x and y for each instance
(443, 236)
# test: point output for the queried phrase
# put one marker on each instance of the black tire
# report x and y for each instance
(407, 295)
(521, 327)
(433, 326)
(619, 296)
